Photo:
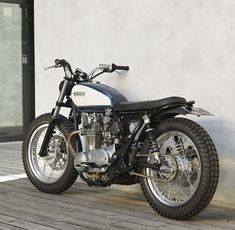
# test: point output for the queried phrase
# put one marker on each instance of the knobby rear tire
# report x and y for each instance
(70, 174)
(209, 171)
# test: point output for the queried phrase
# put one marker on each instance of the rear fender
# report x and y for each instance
(182, 110)
(172, 112)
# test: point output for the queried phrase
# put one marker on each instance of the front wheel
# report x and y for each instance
(55, 172)
(187, 178)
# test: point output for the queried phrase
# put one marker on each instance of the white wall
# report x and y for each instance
(173, 47)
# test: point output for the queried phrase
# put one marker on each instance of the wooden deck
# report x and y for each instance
(10, 158)
(81, 207)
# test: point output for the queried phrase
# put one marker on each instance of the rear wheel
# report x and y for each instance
(55, 172)
(188, 175)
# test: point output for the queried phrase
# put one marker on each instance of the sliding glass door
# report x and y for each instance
(14, 70)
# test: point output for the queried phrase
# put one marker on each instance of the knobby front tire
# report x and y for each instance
(55, 172)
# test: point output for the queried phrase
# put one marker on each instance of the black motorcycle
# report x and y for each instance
(107, 140)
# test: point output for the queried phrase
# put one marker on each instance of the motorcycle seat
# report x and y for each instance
(126, 106)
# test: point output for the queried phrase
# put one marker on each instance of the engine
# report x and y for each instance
(100, 132)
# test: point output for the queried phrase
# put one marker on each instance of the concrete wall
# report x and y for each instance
(173, 47)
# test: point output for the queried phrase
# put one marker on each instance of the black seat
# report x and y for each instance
(126, 106)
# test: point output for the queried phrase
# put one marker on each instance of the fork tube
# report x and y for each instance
(56, 111)
(54, 117)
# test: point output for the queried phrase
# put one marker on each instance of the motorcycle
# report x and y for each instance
(107, 140)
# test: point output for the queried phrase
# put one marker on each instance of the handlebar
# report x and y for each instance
(60, 63)
(86, 77)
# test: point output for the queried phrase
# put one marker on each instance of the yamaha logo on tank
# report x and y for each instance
(78, 93)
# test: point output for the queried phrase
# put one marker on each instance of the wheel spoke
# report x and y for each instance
(169, 190)
(44, 166)
(51, 173)
(184, 195)
(189, 181)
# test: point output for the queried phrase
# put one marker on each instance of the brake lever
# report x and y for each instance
(50, 67)
(106, 68)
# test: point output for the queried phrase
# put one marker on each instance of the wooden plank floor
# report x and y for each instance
(81, 207)
(10, 158)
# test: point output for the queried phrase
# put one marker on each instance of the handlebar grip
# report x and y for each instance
(119, 67)
(122, 67)
(61, 62)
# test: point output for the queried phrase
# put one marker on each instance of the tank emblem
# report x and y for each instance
(78, 93)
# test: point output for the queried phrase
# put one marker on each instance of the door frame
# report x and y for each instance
(28, 68)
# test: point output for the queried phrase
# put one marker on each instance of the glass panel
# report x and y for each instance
(11, 114)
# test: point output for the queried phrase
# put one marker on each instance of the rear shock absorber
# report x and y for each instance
(150, 133)
(178, 143)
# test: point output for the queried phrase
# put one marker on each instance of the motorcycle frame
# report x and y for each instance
(126, 162)
(156, 114)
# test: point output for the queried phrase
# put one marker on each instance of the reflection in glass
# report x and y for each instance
(10, 65)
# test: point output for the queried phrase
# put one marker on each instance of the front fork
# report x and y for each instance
(54, 120)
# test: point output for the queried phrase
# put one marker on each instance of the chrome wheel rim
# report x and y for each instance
(180, 155)
(51, 168)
